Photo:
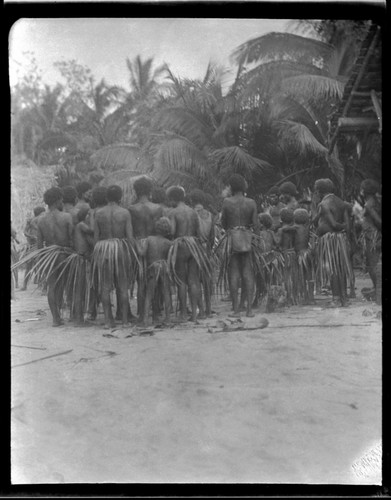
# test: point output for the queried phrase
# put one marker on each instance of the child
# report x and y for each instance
(285, 240)
(78, 277)
(306, 282)
(155, 249)
(266, 238)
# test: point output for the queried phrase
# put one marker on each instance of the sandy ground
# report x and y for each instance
(284, 404)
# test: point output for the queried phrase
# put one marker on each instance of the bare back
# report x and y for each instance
(55, 228)
(144, 215)
(301, 237)
(157, 249)
(268, 239)
(112, 221)
(184, 220)
(332, 215)
(238, 210)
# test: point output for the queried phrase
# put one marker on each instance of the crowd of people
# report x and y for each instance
(88, 249)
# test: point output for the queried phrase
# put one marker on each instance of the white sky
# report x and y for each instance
(186, 44)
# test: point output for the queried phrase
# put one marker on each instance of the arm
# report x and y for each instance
(87, 232)
(96, 230)
(173, 223)
(374, 215)
(70, 229)
(330, 219)
(142, 248)
(223, 219)
(129, 227)
(255, 220)
(39, 237)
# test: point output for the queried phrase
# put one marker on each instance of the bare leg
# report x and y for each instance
(54, 299)
(181, 271)
(234, 280)
(194, 289)
(167, 302)
(150, 291)
(248, 279)
(25, 280)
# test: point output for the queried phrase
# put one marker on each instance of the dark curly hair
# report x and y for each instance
(52, 195)
(286, 215)
(143, 186)
(114, 193)
(176, 193)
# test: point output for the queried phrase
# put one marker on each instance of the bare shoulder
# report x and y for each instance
(251, 203)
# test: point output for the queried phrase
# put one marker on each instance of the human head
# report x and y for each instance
(237, 183)
(82, 214)
(266, 220)
(369, 187)
(286, 215)
(99, 196)
(273, 195)
(197, 197)
(301, 216)
(69, 195)
(38, 211)
(176, 194)
(143, 187)
(84, 190)
(114, 193)
(53, 197)
(288, 191)
(163, 226)
(323, 187)
(158, 195)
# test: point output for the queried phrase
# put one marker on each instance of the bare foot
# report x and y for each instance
(58, 322)
(234, 315)
(109, 326)
(202, 316)
(250, 314)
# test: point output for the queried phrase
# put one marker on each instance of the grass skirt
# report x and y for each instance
(112, 260)
(76, 274)
(159, 271)
(291, 274)
(333, 258)
(198, 253)
(306, 272)
(44, 262)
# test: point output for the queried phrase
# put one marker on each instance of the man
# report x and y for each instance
(113, 259)
(55, 229)
(238, 217)
(83, 190)
(273, 198)
(207, 236)
(69, 202)
(98, 200)
(371, 226)
(31, 233)
(189, 260)
(333, 256)
(288, 195)
(144, 215)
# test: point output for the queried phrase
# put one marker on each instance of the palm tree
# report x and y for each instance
(293, 83)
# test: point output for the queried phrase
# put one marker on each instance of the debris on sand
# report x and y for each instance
(367, 312)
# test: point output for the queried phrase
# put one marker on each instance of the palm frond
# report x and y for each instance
(185, 123)
(177, 156)
(234, 159)
(204, 263)
(314, 87)
(280, 46)
(116, 156)
(300, 137)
